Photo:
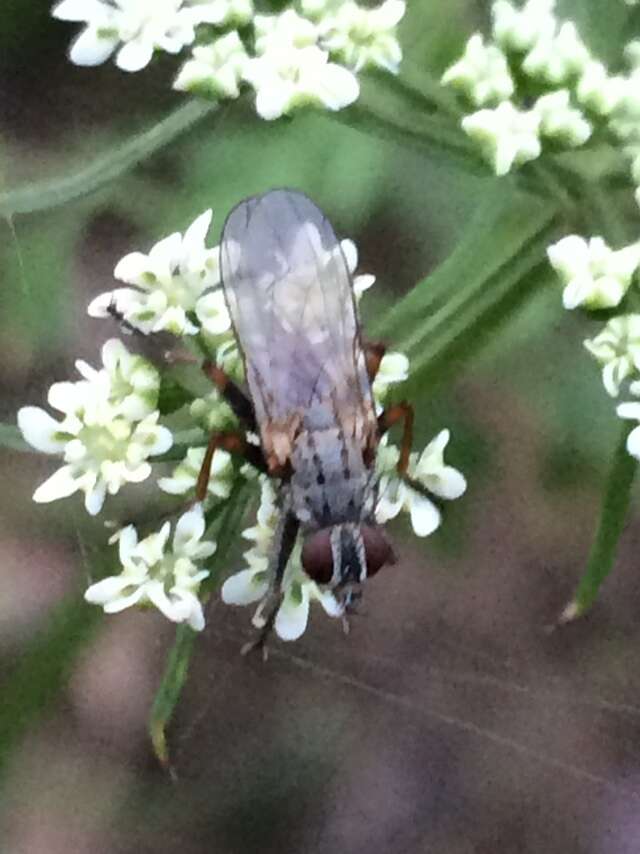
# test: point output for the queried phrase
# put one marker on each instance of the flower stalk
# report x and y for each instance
(613, 513)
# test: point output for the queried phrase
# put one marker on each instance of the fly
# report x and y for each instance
(308, 375)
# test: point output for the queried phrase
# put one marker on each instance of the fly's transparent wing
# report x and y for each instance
(291, 300)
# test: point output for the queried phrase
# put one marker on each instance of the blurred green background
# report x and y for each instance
(450, 720)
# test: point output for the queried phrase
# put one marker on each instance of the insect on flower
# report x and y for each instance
(309, 375)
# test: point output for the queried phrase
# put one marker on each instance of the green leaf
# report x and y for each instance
(175, 675)
(11, 438)
(225, 526)
(615, 506)
(173, 395)
(43, 670)
(499, 261)
(49, 194)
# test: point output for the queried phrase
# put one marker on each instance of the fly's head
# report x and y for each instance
(343, 556)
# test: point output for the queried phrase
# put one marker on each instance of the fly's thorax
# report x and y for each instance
(330, 482)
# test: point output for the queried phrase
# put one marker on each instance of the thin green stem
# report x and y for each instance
(613, 512)
(49, 194)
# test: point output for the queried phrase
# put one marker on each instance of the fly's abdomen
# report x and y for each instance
(330, 481)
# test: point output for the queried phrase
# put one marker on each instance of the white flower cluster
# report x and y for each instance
(617, 349)
(597, 277)
(310, 56)
(531, 50)
(155, 573)
(112, 427)
(108, 432)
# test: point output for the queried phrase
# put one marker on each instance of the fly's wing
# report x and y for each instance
(290, 297)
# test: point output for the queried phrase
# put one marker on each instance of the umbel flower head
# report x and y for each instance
(134, 29)
(108, 432)
(169, 286)
(156, 573)
(594, 275)
(289, 59)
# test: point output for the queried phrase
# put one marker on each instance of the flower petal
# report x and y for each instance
(135, 55)
(293, 616)
(244, 587)
(90, 48)
(425, 516)
(40, 430)
(61, 484)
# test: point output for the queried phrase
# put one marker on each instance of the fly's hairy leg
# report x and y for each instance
(400, 412)
(373, 354)
(238, 401)
(285, 540)
(234, 443)
(403, 412)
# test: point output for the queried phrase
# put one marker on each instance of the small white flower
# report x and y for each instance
(283, 32)
(153, 574)
(617, 349)
(185, 475)
(599, 91)
(107, 433)
(252, 585)
(288, 77)
(507, 136)
(626, 120)
(482, 73)
(362, 37)
(560, 121)
(594, 275)
(557, 59)
(362, 282)
(429, 470)
(129, 382)
(215, 69)
(520, 29)
(167, 283)
(631, 411)
(135, 28)
(212, 313)
(394, 368)
(632, 53)
(213, 413)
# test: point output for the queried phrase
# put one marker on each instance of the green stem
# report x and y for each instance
(175, 675)
(225, 527)
(615, 506)
(49, 194)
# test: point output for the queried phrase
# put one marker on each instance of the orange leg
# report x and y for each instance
(400, 412)
(373, 354)
(235, 443)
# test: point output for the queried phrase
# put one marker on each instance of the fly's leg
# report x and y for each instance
(238, 401)
(234, 443)
(404, 412)
(400, 412)
(373, 355)
(285, 539)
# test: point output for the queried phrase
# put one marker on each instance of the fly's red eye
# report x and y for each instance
(376, 548)
(317, 557)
